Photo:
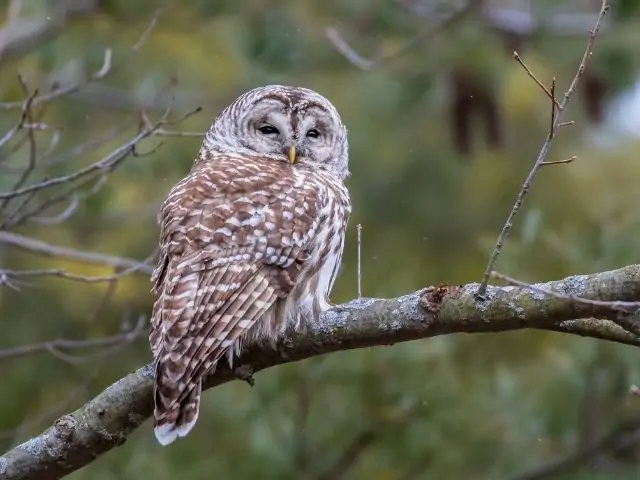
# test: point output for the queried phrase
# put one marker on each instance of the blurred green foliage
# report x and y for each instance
(482, 406)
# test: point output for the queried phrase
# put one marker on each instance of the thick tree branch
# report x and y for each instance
(76, 439)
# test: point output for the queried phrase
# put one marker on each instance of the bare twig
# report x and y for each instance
(32, 147)
(538, 82)
(556, 162)
(526, 186)
(623, 307)
(98, 179)
(145, 35)
(107, 163)
(101, 167)
(56, 347)
(65, 214)
(347, 51)
(9, 275)
(138, 154)
(43, 248)
(172, 133)
(107, 67)
(61, 92)
(26, 106)
(114, 345)
(359, 257)
(86, 147)
(629, 311)
(554, 102)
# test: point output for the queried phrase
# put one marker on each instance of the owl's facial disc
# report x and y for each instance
(288, 124)
(316, 136)
(304, 134)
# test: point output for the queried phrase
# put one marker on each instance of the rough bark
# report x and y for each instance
(106, 421)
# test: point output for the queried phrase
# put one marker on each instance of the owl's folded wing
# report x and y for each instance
(230, 247)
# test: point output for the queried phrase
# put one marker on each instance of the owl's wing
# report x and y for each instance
(234, 236)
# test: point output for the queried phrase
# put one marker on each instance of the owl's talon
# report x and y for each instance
(245, 373)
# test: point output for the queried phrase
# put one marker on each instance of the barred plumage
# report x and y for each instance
(251, 240)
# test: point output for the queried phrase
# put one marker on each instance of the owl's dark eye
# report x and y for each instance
(313, 133)
(269, 130)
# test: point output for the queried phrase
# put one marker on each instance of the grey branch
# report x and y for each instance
(43, 248)
(106, 421)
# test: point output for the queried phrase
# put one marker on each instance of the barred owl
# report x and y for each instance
(250, 242)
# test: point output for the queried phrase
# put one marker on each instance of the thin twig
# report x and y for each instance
(107, 163)
(55, 347)
(107, 66)
(629, 311)
(145, 35)
(26, 106)
(554, 102)
(538, 82)
(171, 133)
(43, 248)
(64, 215)
(138, 154)
(542, 155)
(88, 146)
(9, 275)
(100, 179)
(347, 51)
(623, 307)
(564, 160)
(33, 148)
(359, 257)
(61, 92)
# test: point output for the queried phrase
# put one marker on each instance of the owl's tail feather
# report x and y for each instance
(177, 420)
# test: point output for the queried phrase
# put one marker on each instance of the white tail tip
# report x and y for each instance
(168, 432)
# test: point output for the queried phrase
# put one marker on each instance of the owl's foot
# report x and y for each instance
(245, 373)
(326, 304)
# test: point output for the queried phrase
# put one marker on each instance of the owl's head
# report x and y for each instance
(287, 124)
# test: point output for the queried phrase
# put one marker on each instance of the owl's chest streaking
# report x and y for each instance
(323, 247)
(319, 275)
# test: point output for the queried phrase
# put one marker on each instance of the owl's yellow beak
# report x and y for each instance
(292, 154)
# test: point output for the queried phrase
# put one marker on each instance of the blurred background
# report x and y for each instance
(444, 125)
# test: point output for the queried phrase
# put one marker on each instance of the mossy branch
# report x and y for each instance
(76, 439)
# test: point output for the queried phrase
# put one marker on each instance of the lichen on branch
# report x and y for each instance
(76, 439)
